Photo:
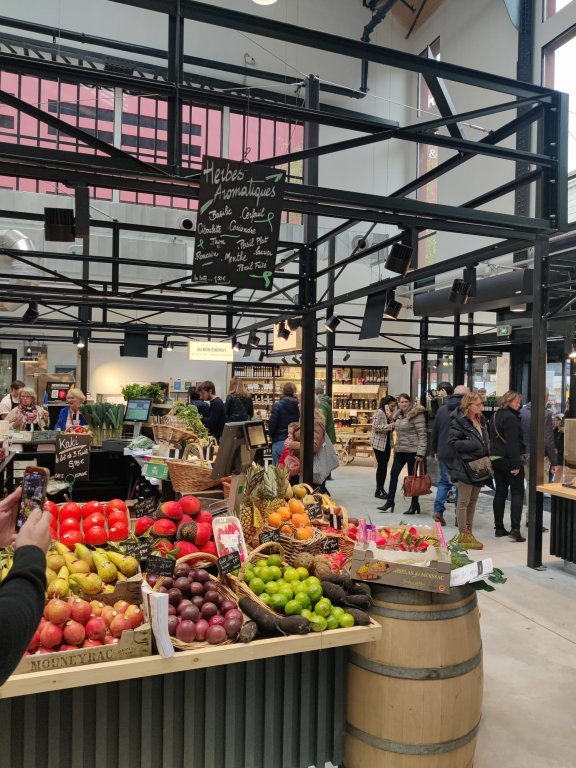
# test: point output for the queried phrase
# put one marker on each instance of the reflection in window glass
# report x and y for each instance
(559, 65)
(553, 6)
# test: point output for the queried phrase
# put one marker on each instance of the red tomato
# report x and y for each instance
(116, 504)
(118, 532)
(118, 516)
(92, 506)
(70, 509)
(52, 508)
(70, 538)
(95, 519)
(96, 536)
(69, 524)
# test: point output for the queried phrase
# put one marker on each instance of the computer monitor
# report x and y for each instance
(138, 411)
(58, 390)
(255, 435)
(237, 444)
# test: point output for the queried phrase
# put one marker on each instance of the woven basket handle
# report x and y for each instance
(201, 556)
(193, 447)
(261, 549)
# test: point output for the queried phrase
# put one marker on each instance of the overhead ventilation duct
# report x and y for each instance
(14, 240)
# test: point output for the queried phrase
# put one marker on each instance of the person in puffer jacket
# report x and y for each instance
(410, 447)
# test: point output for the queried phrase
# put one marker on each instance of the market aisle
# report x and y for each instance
(529, 636)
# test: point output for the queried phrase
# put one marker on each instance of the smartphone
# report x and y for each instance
(34, 487)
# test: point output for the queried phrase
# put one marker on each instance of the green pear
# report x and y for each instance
(88, 583)
(104, 568)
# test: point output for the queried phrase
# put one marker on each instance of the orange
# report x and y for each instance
(304, 533)
(300, 519)
(287, 529)
(284, 512)
(274, 519)
(296, 506)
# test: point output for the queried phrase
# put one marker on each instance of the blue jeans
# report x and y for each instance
(444, 488)
(277, 448)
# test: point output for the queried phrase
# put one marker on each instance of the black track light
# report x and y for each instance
(391, 307)
(236, 346)
(294, 323)
(469, 276)
(253, 340)
(261, 356)
(31, 314)
(403, 359)
(283, 332)
(159, 352)
(121, 350)
(165, 342)
(170, 346)
(399, 258)
(296, 360)
(460, 292)
(284, 361)
(346, 357)
(332, 323)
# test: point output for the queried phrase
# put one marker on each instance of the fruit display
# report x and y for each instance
(200, 609)
(264, 491)
(94, 523)
(76, 623)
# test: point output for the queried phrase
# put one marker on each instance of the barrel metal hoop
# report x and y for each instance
(412, 749)
(413, 673)
(450, 613)
(403, 596)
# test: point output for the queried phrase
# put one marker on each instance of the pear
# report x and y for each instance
(60, 586)
(126, 564)
(54, 561)
(121, 577)
(104, 568)
(76, 565)
(84, 553)
(108, 589)
(62, 549)
(50, 575)
(88, 583)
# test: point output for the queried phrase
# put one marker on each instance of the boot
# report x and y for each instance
(439, 518)
(388, 507)
(414, 508)
(380, 494)
(473, 541)
(500, 532)
(515, 535)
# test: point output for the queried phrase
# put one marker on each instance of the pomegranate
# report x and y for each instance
(57, 611)
(88, 643)
(74, 632)
(95, 628)
(50, 635)
(134, 615)
(118, 624)
(80, 610)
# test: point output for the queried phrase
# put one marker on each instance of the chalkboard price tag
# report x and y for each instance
(145, 507)
(230, 562)
(137, 549)
(314, 511)
(162, 566)
(72, 456)
(330, 545)
(238, 223)
(336, 521)
(273, 535)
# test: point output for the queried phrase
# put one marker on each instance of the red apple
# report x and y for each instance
(70, 509)
(50, 635)
(95, 519)
(80, 610)
(116, 504)
(134, 616)
(52, 508)
(91, 507)
(119, 624)
(95, 628)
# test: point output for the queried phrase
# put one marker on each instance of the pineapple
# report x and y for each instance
(250, 512)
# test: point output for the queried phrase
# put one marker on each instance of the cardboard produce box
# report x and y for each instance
(133, 643)
(380, 566)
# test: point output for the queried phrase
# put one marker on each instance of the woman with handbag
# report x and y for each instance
(292, 443)
(508, 462)
(381, 441)
(410, 448)
(470, 444)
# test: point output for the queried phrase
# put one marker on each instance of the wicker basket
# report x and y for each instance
(260, 553)
(345, 543)
(166, 433)
(293, 546)
(191, 476)
(224, 587)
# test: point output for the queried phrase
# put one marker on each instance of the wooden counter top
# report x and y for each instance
(557, 489)
(210, 656)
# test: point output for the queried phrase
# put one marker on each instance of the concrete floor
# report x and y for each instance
(528, 630)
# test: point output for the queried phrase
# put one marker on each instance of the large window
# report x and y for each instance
(553, 6)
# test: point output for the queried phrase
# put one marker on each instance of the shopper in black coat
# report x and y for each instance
(284, 412)
(508, 450)
(216, 418)
(468, 438)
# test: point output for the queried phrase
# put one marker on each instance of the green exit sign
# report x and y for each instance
(504, 330)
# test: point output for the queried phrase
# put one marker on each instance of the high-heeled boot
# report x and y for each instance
(388, 507)
(414, 507)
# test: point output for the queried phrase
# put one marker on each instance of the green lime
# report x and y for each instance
(312, 580)
(291, 574)
(332, 622)
(265, 597)
(271, 587)
(323, 607)
(258, 570)
(275, 560)
(264, 574)
(278, 602)
(337, 611)
(314, 592)
(286, 589)
(292, 608)
(302, 573)
(275, 572)
(306, 613)
(281, 582)
(319, 623)
(256, 585)
(303, 599)
(297, 586)
(347, 620)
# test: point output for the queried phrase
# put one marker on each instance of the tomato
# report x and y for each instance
(52, 508)
(116, 504)
(92, 506)
(70, 509)
(118, 532)
(117, 516)
(69, 524)
(96, 536)
(95, 519)
(70, 538)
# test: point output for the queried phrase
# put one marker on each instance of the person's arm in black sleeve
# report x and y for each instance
(272, 423)
(250, 407)
(549, 443)
(21, 606)
(215, 416)
(227, 406)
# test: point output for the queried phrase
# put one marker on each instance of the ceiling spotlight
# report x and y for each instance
(403, 359)
(170, 346)
(236, 346)
(391, 307)
(296, 360)
(283, 332)
(294, 323)
(81, 343)
(469, 276)
(284, 361)
(261, 356)
(264, 2)
(519, 308)
(159, 352)
(81, 338)
(399, 258)
(346, 357)
(332, 323)
(572, 353)
(165, 342)
(460, 292)
(253, 340)
(31, 314)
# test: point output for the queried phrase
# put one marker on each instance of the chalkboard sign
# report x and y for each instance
(72, 456)
(230, 562)
(336, 521)
(330, 545)
(163, 566)
(137, 549)
(314, 511)
(238, 224)
(273, 535)
(145, 507)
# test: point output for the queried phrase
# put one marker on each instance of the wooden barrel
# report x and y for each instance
(415, 696)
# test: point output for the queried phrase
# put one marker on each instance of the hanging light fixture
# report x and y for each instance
(519, 308)
(283, 332)
(460, 292)
(403, 359)
(284, 361)
(294, 323)
(159, 352)
(236, 346)
(253, 340)
(346, 357)
(31, 314)
(399, 258)
(261, 356)
(391, 307)
(170, 346)
(332, 323)
(572, 353)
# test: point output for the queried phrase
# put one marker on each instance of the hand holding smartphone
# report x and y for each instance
(34, 487)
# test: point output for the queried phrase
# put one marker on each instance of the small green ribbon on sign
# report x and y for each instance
(266, 277)
(268, 220)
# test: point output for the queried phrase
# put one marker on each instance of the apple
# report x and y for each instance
(57, 611)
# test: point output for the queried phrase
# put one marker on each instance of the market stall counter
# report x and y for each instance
(562, 522)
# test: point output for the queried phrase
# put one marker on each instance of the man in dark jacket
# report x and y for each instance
(442, 449)
(216, 418)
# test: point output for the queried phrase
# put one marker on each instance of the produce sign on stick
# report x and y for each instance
(238, 224)
(330, 545)
(273, 535)
(162, 566)
(72, 456)
(230, 562)
(138, 549)
(145, 507)
(314, 511)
